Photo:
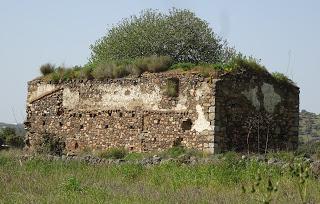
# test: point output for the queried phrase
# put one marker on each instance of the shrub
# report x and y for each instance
(120, 71)
(179, 34)
(107, 70)
(113, 153)
(85, 72)
(68, 74)
(55, 77)
(153, 63)
(46, 69)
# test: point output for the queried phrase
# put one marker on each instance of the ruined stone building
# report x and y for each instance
(239, 111)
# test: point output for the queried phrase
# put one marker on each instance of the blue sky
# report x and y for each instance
(283, 34)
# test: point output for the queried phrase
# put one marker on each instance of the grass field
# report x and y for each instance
(41, 181)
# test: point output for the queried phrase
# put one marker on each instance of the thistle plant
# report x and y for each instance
(301, 172)
(262, 193)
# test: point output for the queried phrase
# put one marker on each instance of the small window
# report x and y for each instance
(172, 87)
(76, 145)
(186, 124)
(81, 127)
(106, 126)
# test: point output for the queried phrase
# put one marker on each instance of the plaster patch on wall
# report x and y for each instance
(270, 97)
(201, 123)
(70, 99)
(41, 90)
(252, 96)
(115, 96)
(203, 90)
(181, 105)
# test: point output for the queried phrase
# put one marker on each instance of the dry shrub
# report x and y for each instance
(103, 71)
(153, 63)
(46, 69)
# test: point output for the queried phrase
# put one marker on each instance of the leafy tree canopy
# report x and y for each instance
(179, 34)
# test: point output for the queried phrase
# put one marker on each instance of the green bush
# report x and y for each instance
(46, 69)
(179, 34)
(113, 153)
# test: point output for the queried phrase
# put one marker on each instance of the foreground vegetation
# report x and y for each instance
(227, 179)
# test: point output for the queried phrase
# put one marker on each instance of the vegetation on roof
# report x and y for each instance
(281, 78)
(157, 42)
(152, 64)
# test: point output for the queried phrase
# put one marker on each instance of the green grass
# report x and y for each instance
(281, 78)
(42, 181)
(153, 64)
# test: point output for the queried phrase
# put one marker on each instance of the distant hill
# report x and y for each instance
(309, 126)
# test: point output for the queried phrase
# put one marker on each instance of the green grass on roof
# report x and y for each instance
(153, 64)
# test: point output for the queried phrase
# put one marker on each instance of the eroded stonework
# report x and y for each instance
(211, 113)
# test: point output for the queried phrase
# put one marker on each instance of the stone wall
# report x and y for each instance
(255, 112)
(134, 113)
(240, 111)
